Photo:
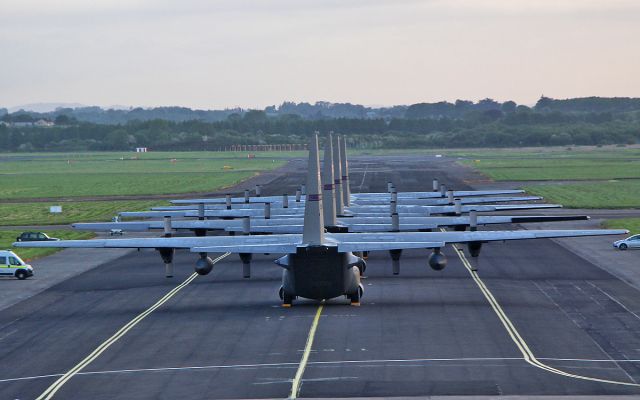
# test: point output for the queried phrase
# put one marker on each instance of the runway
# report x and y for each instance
(422, 333)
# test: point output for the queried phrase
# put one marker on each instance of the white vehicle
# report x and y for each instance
(116, 232)
(629, 243)
(12, 265)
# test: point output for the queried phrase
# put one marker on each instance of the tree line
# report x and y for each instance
(427, 125)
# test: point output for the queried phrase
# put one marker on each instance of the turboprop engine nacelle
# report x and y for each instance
(355, 261)
(437, 260)
(204, 265)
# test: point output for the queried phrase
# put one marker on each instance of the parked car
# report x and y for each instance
(34, 237)
(12, 265)
(629, 243)
(116, 231)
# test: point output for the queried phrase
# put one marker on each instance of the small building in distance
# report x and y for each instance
(43, 123)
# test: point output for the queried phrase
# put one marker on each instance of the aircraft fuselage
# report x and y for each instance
(320, 272)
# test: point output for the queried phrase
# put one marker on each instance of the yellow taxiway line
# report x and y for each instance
(297, 380)
(528, 355)
(51, 390)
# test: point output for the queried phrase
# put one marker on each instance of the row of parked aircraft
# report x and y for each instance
(324, 235)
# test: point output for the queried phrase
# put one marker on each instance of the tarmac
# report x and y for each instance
(536, 320)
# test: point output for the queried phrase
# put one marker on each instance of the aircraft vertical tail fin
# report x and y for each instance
(337, 175)
(346, 190)
(328, 204)
(313, 232)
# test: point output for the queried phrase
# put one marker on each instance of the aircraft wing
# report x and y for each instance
(457, 220)
(374, 211)
(105, 226)
(286, 243)
(445, 201)
(354, 196)
(407, 224)
(139, 226)
(281, 213)
(431, 195)
(465, 193)
(243, 206)
(420, 211)
(352, 228)
(236, 200)
(465, 237)
(244, 244)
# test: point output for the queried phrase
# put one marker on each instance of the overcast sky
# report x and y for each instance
(252, 53)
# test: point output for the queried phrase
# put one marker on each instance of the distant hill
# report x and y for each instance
(44, 107)
(486, 110)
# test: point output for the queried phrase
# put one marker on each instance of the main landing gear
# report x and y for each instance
(287, 299)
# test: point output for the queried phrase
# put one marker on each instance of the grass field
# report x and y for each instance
(25, 186)
(589, 152)
(611, 175)
(8, 237)
(113, 165)
(152, 155)
(558, 168)
(632, 224)
(46, 178)
(620, 194)
(38, 213)
(66, 176)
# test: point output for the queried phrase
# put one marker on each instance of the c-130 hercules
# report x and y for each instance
(319, 265)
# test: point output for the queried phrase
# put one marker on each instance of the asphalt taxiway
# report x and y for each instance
(535, 320)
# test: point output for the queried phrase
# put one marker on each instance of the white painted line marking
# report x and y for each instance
(51, 390)
(515, 335)
(614, 299)
(544, 292)
(319, 364)
(8, 334)
(364, 175)
(297, 380)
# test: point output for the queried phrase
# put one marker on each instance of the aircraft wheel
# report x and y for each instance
(355, 298)
(287, 300)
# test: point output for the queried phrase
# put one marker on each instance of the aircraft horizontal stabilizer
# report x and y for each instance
(105, 226)
(378, 246)
(274, 248)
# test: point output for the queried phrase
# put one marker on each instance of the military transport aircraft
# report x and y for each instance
(387, 221)
(407, 211)
(319, 265)
(358, 224)
(336, 158)
(285, 207)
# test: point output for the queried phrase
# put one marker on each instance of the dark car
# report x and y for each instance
(34, 237)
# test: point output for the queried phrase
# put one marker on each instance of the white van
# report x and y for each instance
(12, 265)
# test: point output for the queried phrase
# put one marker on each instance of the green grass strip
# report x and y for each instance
(8, 237)
(614, 195)
(88, 211)
(632, 224)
